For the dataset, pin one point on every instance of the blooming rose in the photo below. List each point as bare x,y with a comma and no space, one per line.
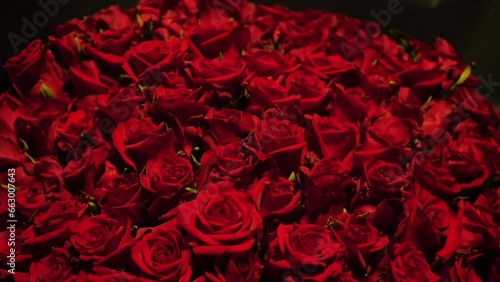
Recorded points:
54,267
305,251
281,139
220,220
408,264
275,196
161,254
138,139
100,239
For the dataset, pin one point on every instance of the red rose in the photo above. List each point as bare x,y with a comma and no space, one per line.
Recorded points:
54,267
408,264
230,125
182,103
120,194
275,196
245,267
161,254
161,55
475,106
380,180
281,139
326,185
88,80
235,162
330,138
166,176
138,139
54,223
438,118
265,94
359,229
480,231
100,273
267,63
220,220
100,239
314,93
306,252
226,71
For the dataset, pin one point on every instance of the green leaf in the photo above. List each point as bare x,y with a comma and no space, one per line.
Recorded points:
47,93
292,177
191,190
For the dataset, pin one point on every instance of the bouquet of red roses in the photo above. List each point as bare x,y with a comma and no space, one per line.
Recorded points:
222,140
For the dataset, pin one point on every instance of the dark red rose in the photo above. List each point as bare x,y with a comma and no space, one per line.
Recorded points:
218,33
307,28
139,139
161,55
54,267
475,106
54,223
350,105
313,92
408,264
265,94
230,125
395,130
267,63
281,139
120,194
326,185
450,176
220,221
330,138
161,253
380,180
235,162
463,271
182,103
276,196
166,177
167,174
69,47
328,67
88,80
479,230
115,41
438,117
306,252
239,268
100,273
100,239
226,71
113,17
359,229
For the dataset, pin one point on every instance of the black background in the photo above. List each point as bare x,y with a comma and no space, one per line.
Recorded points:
472,26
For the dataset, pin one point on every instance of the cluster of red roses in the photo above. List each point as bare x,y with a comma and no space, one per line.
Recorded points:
187,140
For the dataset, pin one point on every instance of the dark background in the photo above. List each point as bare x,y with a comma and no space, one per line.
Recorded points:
472,26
